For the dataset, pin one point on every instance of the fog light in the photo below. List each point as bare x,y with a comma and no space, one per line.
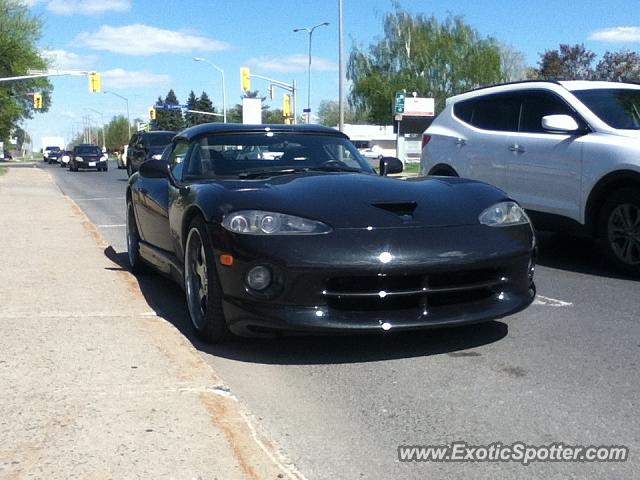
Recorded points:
259,278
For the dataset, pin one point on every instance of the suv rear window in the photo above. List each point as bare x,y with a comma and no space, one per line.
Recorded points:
495,112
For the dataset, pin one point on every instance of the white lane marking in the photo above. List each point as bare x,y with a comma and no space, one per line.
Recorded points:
551,302
119,225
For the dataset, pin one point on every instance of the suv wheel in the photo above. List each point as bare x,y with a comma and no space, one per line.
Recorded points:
619,228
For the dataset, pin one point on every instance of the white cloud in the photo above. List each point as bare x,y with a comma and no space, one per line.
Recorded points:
31,3
617,34
142,40
292,64
119,78
87,7
64,60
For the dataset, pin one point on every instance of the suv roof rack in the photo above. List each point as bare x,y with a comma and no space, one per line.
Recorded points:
557,82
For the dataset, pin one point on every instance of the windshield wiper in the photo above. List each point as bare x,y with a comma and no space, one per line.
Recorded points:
290,170
334,168
269,173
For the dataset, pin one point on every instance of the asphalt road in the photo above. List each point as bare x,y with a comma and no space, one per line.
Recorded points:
565,370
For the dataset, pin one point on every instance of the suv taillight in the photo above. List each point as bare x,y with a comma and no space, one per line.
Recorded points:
425,139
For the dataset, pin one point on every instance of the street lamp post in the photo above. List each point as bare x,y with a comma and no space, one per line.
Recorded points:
104,146
310,32
126,100
224,90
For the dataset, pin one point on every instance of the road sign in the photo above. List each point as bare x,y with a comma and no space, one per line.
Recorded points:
400,96
419,107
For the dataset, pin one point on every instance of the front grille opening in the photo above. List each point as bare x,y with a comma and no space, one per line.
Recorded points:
371,304
453,279
369,284
361,293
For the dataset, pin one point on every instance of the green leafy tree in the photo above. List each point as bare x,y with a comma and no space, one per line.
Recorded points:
117,133
329,114
421,54
569,62
19,34
275,116
168,119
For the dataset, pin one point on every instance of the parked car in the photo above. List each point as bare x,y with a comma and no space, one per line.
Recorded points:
88,156
121,157
315,241
566,151
50,154
145,146
65,158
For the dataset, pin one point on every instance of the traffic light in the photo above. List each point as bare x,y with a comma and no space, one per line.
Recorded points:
152,113
286,105
37,100
245,79
95,81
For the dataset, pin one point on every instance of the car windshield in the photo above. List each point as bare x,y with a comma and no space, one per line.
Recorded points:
53,149
160,139
618,108
88,150
252,154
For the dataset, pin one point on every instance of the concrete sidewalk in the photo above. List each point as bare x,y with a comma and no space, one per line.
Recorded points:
93,384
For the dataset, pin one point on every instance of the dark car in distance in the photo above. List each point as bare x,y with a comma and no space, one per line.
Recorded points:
276,228
51,154
145,146
86,156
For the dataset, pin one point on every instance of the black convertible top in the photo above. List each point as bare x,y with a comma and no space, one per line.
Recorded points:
213,128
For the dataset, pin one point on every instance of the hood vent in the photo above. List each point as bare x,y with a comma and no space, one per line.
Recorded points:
403,209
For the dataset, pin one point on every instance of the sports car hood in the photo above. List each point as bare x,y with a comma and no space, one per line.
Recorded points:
346,200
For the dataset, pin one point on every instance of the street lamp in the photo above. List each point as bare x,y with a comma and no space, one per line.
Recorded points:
310,32
126,100
104,147
224,92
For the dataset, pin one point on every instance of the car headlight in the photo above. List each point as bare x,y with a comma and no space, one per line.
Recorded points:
257,222
78,159
503,214
103,158
157,156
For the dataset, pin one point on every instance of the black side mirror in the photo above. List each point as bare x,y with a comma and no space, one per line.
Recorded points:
389,165
154,169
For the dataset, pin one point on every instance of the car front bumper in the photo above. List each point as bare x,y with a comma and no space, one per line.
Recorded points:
89,163
382,280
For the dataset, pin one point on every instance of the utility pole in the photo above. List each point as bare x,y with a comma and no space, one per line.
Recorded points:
341,65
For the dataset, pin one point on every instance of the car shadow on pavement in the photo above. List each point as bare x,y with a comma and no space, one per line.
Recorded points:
573,254
167,300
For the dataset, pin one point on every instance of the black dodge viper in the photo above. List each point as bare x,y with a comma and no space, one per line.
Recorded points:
284,228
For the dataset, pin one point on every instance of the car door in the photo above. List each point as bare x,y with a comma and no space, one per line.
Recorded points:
484,145
544,168
153,203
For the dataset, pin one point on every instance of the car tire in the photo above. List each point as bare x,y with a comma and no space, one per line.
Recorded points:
619,230
202,286
136,264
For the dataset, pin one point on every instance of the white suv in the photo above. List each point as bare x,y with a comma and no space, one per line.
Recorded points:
569,152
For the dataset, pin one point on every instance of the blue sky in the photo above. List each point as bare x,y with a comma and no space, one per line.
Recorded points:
145,47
